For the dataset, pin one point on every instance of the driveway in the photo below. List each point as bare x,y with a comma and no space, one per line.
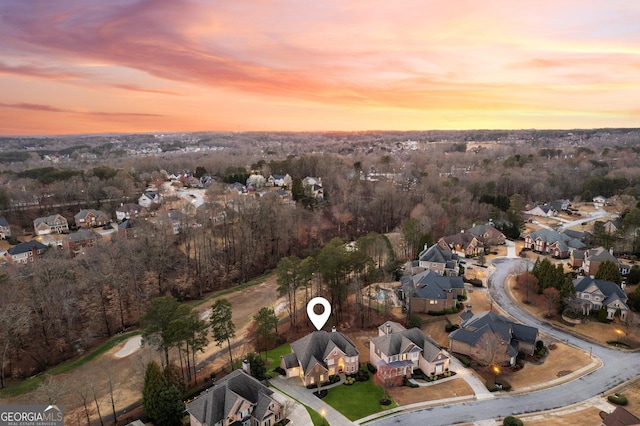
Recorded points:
617,367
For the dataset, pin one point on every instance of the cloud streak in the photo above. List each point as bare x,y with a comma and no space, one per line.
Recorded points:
427,57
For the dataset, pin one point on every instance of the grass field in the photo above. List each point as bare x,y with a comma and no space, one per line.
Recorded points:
358,400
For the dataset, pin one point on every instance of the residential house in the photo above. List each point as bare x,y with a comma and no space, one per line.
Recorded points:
462,244
404,350
26,252
237,399
477,329
130,210
236,188
544,210
88,218
439,260
77,241
150,198
560,205
319,355
599,201
313,187
430,291
593,258
487,234
279,180
550,242
5,229
620,417
55,223
128,229
576,258
593,295
613,226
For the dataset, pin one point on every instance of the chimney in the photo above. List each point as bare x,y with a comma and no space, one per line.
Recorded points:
467,308
388,326
333,329
246,366
611,251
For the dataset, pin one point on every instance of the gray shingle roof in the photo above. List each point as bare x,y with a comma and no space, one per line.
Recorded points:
436,254
608,288
430,285
472,329
314,347
216,403
403,341
3,222
26,247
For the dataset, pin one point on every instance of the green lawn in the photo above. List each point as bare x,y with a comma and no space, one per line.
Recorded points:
273,356
358,400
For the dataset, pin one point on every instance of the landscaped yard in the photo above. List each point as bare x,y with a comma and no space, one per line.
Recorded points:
358,400
273,356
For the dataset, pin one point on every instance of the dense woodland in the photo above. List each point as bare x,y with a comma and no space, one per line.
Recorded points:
423,185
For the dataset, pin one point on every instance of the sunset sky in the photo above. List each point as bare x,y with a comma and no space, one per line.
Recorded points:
92,66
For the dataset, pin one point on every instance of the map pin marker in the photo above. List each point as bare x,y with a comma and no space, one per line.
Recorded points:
319,320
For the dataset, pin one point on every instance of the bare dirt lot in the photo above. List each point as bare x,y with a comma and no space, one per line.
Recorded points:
128,371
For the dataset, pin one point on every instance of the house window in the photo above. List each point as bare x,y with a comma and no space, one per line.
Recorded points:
432,302
321,378
585,296
330,361
404,357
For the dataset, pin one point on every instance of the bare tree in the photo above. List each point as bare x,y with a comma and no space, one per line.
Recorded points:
529,283
552,299
491,349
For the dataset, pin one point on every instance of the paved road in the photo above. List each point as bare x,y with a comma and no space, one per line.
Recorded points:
617,368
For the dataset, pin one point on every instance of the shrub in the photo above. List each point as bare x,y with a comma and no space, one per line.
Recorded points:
407,383
334,378
465,360
437,313
280,371
371,368
512,421
413,321
362,376
618,399
450,327
602,315
476,282
349,381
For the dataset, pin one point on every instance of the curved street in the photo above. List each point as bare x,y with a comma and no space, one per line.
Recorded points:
617,368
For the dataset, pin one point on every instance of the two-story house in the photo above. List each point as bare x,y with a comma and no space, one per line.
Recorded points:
149,198
130,210
237,399
428,291
550,242
440,260
279,180
5,229
478,330
593,295
55,223
462,244
319,355
26,252
404,350
87,218
487,234
595,257
77,241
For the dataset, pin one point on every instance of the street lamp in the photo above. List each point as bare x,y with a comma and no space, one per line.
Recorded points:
323,413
